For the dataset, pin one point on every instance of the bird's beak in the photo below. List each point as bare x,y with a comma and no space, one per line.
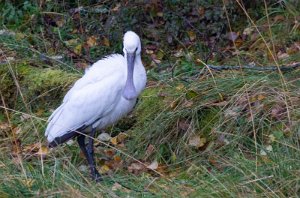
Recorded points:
129,92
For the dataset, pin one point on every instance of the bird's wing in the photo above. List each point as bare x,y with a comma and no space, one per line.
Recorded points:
85,105
101,69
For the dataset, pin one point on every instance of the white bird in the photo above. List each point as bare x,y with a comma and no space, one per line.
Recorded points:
107,92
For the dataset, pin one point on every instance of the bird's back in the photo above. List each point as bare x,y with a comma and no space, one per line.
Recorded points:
93,96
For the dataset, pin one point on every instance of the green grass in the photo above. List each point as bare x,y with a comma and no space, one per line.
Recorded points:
250,121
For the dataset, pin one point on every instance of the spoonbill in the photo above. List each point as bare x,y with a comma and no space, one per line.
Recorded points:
106,92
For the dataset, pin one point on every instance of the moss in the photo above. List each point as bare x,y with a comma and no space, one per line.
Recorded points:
149,105
36,84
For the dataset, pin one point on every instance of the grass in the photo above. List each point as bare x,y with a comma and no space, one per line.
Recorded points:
247,122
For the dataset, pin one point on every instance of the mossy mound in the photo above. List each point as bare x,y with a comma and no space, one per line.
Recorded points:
25,83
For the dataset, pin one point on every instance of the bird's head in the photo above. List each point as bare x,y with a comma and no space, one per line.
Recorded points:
132,43
132,48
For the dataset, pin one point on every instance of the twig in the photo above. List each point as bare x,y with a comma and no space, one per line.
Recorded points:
266,68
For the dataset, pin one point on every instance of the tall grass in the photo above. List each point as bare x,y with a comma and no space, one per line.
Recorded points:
249,120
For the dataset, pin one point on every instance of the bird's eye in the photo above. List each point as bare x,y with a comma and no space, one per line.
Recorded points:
135,49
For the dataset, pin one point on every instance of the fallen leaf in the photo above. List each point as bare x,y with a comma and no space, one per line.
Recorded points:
174,104
269,148
106,42
83,168
116,187
179,53
71,42
60,22
160,14
232,36
91,41
196,141
272,138
153,165
28,182
180,87
183,124
192,35
104,169
201,11
78,49
262,152
70,142
4,126
24,117
279,18
188,104
109,153
104,137
114,141
248,31
136,168
16,148
149,151
43,151
121,137
282,56
116,8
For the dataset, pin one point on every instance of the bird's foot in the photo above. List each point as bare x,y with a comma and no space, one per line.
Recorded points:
96,176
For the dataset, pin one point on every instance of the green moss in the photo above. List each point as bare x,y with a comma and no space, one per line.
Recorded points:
36,84
149,105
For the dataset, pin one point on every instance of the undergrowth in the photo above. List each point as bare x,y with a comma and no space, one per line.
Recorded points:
213,134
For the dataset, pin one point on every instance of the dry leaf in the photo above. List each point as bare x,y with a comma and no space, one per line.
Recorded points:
114,141
192,35
262,152
201,11
60,22
136,168
121,137
232,36
91,41
104,169
179,53
279,18
78,49
248,31
116,187
106,42
83,168
150,150
180,87
109,153
25,117
4,126
269,148
16,148
28,182
116,8
104,137
184,124
153,165
282,56
196,141
43,151
174,104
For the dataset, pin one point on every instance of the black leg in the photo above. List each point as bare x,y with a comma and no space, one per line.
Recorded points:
90,150
80,140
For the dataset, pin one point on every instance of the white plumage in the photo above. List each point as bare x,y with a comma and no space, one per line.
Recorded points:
98,94
107,92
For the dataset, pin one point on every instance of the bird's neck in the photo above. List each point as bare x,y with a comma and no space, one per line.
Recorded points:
138,61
